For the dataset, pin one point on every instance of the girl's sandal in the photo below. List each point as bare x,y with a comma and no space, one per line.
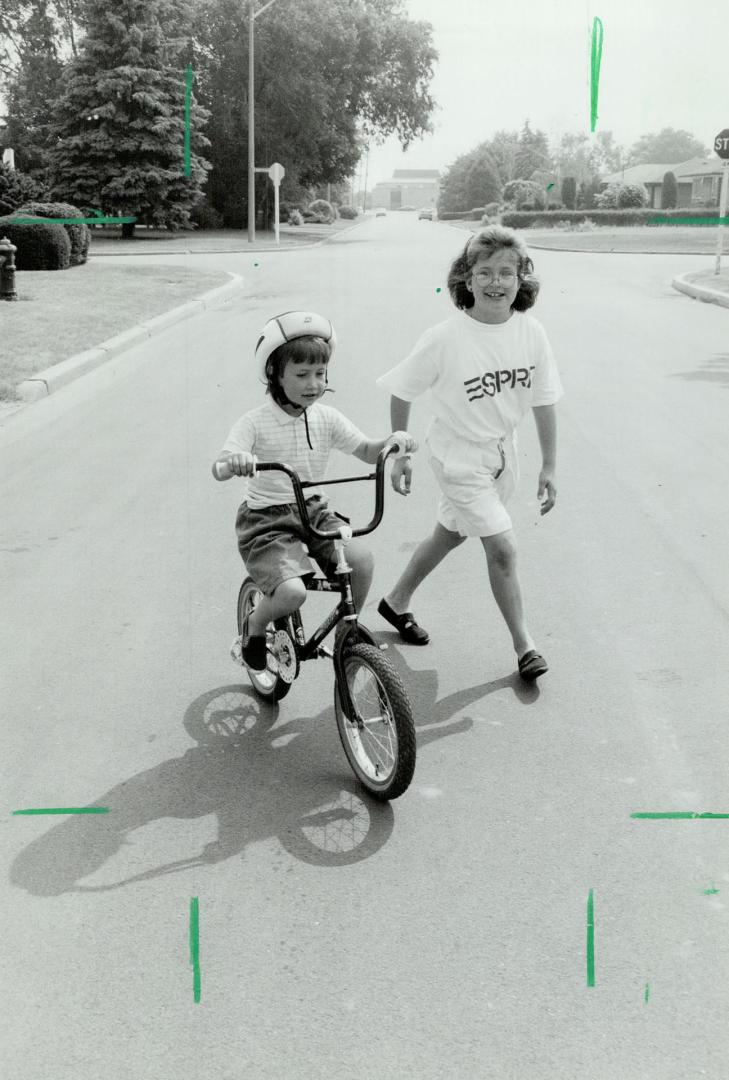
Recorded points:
405,624
532,665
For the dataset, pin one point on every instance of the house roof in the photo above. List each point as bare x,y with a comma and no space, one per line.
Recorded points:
640,174
699,167
653,174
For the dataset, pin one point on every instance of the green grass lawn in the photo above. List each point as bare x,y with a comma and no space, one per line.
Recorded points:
62,312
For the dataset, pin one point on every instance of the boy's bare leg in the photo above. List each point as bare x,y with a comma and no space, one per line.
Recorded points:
288,597
423,561
501,557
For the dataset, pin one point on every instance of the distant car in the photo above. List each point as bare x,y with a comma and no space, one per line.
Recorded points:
426,214
380,212
407,207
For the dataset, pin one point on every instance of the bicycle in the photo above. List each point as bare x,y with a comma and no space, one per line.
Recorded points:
373,714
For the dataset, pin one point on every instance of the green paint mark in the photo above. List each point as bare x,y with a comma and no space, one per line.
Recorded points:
74,220
195,947
595,61
711,891
550,186
438,289
678,815
590,940
647,993
188,103
690,221
255,264
65,810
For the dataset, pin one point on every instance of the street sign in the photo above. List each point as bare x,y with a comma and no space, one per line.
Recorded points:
721,143
277,171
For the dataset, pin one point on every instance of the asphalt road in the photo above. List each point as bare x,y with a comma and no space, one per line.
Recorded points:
444,935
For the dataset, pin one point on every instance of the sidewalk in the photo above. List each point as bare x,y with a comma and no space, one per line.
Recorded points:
705,285
108,241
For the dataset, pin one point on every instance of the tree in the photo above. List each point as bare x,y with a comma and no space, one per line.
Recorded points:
669,191
472,180
668,146
34,85
569,192
525,195
532,153
619,195
329,76
120,122
16,188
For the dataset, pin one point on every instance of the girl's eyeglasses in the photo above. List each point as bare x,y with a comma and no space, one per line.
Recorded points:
505,277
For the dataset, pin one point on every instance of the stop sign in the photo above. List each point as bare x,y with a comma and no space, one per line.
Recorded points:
721,143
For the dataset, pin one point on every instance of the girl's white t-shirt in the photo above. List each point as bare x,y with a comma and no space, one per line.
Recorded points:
483,377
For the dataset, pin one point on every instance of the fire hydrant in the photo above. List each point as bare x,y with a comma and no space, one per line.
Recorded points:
7,270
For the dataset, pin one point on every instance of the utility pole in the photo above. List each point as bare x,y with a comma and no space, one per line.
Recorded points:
252,16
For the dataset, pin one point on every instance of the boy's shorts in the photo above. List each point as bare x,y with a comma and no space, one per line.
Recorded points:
271,541
476,480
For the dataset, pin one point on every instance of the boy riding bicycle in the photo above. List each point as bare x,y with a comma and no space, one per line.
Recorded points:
292,354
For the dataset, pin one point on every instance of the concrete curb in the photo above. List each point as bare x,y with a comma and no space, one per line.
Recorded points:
699,292
53,378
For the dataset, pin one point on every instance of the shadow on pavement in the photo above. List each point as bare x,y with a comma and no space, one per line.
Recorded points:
715,370
259,779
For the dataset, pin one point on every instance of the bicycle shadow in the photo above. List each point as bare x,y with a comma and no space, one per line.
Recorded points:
258,777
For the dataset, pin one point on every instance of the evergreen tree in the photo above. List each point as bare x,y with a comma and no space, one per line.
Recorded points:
569,192
120,121
669,191
532,153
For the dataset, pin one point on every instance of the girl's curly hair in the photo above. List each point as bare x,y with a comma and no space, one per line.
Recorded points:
486,242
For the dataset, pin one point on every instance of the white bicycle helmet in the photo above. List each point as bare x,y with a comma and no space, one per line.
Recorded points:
286,327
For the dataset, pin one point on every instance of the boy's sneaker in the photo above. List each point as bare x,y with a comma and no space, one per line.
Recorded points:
254,653
250,652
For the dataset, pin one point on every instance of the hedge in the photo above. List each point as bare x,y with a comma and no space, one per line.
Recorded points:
528,219
41,246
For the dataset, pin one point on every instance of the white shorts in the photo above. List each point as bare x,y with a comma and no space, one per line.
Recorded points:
476,480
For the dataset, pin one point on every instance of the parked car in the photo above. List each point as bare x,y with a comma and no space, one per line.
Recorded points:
380,212
426,214
407,207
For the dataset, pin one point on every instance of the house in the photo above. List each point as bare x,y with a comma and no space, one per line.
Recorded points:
698,181
408,187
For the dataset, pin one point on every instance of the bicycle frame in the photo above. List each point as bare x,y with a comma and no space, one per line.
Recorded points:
345,609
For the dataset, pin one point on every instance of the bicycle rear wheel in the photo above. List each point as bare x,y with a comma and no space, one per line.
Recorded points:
379,738
275,682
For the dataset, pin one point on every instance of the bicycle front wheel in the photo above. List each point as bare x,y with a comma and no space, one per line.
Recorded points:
379,738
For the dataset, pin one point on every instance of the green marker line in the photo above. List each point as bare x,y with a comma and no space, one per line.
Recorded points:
73,221
65,810
188,102
690,221
195,947
678,815
647,992
590,940
595,61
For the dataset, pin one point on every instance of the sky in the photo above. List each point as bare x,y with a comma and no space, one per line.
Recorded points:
665,63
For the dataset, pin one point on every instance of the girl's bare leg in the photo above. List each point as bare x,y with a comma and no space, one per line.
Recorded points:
423,561
501,558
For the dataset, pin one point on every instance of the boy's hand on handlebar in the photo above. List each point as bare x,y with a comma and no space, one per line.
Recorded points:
243,464
407,444
401,475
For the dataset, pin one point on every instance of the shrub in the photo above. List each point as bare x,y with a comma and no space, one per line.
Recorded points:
16,188
525,194
622,195
323,212
205,216
78,235
41,246
295,217
669,191
348,212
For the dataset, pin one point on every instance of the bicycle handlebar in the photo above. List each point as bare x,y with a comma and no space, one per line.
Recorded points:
223,471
